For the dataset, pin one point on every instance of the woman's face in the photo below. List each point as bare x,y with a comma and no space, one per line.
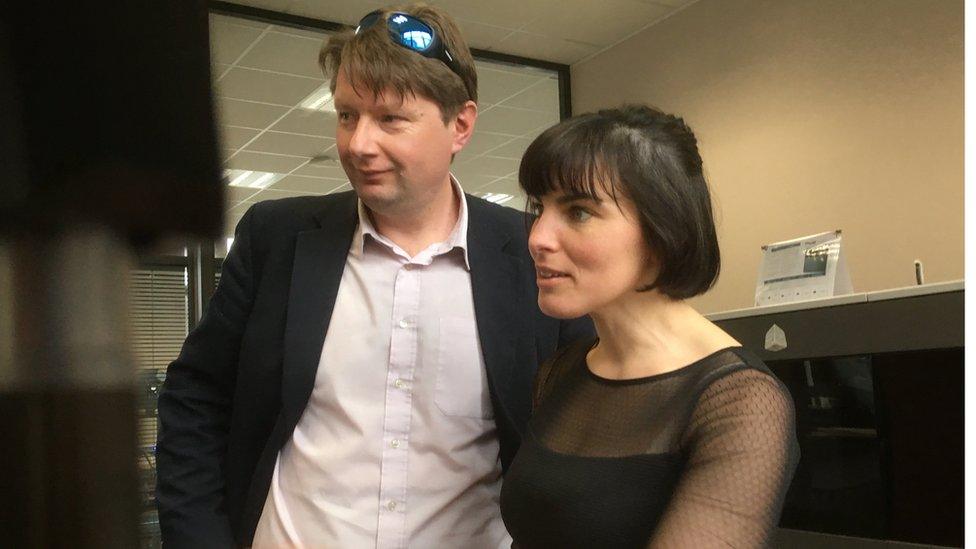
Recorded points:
589,253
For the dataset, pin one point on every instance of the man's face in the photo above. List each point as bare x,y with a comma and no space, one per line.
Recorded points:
396,153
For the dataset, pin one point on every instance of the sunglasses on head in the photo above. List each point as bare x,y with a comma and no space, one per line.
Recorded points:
413,34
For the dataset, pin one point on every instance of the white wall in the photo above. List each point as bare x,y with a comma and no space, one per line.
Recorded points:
811,116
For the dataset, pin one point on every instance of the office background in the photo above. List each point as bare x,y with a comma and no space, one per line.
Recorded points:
811,116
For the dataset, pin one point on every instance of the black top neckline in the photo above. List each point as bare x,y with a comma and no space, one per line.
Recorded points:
653,377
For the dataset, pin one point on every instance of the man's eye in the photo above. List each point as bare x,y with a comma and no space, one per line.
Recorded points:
391,118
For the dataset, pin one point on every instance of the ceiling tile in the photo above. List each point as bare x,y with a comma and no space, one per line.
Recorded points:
233,216
304,121
229,40
312,185
218,69
331,170
235,195
246,114
314,34
514,122
511,14
260,162
507,185
543,96
618,19
480,35
234,138
256,85
269,194
490,165
274,5
494,86
471,183
535,46
290,143
286,53
482,64
482,142
341,188
513,149
234,20
670,3
348,12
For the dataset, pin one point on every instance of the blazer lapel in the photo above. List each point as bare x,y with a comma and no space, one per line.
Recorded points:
495,275
320,257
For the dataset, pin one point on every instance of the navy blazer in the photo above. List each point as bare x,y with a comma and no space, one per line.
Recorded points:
244,376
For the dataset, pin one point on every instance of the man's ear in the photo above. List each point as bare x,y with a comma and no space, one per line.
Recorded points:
463,123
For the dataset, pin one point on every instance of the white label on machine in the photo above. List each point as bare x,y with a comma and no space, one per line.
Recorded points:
804,268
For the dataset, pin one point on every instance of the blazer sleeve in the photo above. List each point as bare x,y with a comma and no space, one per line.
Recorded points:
195,409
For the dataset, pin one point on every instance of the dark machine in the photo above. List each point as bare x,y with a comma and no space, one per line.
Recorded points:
107,144
878,390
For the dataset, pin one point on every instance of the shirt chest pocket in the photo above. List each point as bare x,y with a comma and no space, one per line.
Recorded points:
462,383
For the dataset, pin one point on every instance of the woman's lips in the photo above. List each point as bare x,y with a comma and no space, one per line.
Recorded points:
547,278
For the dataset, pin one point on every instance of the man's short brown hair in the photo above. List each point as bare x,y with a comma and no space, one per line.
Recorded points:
371,59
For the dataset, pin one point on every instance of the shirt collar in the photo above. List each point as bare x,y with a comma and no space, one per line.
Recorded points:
458,238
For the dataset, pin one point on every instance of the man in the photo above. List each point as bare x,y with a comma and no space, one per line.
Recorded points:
362,375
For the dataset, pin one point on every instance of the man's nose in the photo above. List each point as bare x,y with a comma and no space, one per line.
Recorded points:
362,142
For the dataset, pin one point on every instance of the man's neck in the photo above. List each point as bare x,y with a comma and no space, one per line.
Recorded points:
415,231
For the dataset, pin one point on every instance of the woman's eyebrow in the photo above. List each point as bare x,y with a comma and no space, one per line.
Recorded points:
577,196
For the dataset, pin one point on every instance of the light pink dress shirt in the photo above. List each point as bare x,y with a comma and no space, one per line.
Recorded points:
398,445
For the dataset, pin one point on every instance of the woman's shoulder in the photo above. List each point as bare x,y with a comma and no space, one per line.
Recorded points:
563,361
737,380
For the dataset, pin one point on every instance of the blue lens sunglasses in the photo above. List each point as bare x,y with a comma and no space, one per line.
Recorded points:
412,33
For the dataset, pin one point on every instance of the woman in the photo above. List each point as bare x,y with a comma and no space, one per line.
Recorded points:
663,431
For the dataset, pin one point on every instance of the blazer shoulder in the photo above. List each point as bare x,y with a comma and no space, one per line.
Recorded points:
299,213
507,220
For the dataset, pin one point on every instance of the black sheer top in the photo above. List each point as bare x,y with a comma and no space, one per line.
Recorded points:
698,457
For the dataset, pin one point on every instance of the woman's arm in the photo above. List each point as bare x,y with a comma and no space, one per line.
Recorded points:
742,452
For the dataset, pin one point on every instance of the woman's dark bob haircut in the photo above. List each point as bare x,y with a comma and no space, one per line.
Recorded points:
650,158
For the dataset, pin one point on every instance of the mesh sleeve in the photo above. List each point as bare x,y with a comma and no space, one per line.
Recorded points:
741,454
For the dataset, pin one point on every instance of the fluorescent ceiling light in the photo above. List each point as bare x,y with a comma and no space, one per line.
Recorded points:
497,198
251,179
319,100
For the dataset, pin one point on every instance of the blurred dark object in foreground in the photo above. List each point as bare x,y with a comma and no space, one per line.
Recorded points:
105,117
107,143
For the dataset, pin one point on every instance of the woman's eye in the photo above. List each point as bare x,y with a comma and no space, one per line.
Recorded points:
577,213
535,208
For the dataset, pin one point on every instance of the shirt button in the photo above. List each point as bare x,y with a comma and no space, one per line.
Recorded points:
391,506
395,443
403,323
399,384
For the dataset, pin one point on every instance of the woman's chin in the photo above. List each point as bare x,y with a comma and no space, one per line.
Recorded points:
560,309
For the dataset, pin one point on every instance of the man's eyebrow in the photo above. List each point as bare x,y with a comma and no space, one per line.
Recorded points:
566,198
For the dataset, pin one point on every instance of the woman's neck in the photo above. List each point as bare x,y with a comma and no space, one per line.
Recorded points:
649,333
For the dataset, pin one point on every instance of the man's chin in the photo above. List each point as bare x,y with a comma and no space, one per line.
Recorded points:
377,197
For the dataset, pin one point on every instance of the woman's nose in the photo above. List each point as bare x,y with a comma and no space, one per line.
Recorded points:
542,237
